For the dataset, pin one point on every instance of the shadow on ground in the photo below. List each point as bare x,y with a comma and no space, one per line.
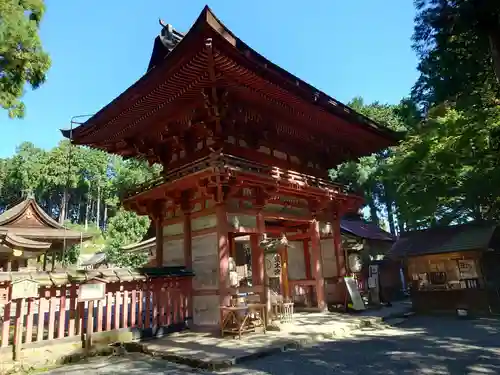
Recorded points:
421,345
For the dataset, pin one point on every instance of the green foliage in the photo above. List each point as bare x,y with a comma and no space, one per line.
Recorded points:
447,172
458,43
366,176
93,180
123,229
22,59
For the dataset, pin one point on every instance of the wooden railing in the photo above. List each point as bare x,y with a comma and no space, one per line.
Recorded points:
57,314
219,160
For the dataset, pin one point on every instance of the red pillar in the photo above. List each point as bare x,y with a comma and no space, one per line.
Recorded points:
339,251
187,286
307,259
188,258
257,252
159,240
257,260
317,271
223,251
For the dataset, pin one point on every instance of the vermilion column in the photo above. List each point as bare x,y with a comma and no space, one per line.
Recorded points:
188,258
159,240
284,273
257,252
317,271
337,243
223,252
257,260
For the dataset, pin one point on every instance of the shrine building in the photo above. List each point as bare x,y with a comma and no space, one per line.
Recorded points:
245,148
27,232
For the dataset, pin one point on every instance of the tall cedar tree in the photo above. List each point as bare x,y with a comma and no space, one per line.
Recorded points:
458,42
22,58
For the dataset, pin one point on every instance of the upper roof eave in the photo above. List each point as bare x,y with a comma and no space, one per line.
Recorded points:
13,213
208,21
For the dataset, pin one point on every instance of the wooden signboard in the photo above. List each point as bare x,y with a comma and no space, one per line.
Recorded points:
352,288
467,268
373,284
92,290
24,288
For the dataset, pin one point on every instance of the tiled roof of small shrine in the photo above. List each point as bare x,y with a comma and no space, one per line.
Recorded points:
24,224
439,240
48,279
362,229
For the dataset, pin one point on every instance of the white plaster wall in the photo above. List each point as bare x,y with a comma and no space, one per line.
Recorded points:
205,261
206,310
328,258
296,261
173,253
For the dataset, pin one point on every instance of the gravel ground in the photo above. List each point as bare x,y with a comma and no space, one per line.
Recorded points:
421,345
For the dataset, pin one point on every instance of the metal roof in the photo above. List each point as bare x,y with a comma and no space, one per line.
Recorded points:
439,240
362,229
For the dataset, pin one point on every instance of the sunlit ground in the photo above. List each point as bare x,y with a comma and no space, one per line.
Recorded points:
421,345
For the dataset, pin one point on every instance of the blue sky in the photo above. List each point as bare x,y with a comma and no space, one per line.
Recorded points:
100,47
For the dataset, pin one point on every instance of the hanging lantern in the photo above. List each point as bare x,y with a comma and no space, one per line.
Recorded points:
355,262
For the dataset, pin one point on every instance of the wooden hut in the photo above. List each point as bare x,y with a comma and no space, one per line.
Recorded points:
453,268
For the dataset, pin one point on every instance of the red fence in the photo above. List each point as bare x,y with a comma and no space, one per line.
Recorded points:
57,314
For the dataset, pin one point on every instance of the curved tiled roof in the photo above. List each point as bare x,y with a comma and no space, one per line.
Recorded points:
27,226
21,242
12,214
177,71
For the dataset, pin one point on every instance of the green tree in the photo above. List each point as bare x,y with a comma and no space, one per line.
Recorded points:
123,229
366,176
22,173
447,171
22,59
458,43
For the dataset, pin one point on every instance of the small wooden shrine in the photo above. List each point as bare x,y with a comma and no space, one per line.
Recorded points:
27,232
453,268
245,148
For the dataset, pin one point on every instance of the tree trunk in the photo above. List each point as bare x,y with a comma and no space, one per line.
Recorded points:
87,209
390,217
373,211
68,206
79,212
62,211
105,217
495,51
401,224
98,206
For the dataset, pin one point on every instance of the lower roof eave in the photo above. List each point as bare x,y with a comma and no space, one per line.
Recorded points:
19,242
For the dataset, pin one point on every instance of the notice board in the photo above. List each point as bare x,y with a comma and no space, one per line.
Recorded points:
352,289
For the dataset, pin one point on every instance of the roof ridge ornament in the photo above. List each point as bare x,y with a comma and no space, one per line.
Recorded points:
28,194
169,36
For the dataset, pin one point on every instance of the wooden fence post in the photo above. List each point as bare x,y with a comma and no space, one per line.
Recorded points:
18,330
90,326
